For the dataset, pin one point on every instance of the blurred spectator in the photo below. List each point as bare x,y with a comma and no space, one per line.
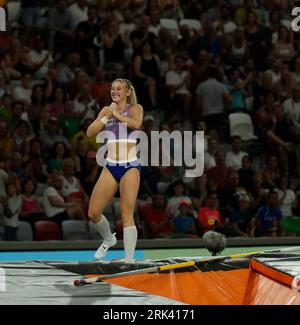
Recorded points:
286,196
209,216
67,121
57,104
6,141
23,92
178,83
210,153
84,104
85,33
235,155
271,173
229,195
90,142
242,218
90,173
184,222
100,88
198,189
210,97
178,189
34,165
142,33
269,217
68,71
3,181
296,73
283,87
71,183
40,58
12,210
156,217
218,175
291,108
246,173
146,73
112,49
59,23
38,102
57,155
225,24
17,167
283,47
56,209
79,12
50,136
30,209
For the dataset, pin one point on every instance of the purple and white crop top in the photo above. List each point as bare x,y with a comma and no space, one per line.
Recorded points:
119,132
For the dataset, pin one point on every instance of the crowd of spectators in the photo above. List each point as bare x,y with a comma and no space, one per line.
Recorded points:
57,62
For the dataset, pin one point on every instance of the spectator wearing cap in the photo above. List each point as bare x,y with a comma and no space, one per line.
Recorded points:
242,219
184,222
178,190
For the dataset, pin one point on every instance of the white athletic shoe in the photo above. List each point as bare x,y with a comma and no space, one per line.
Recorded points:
102,250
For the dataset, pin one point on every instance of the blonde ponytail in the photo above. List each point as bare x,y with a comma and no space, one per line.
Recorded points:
132,98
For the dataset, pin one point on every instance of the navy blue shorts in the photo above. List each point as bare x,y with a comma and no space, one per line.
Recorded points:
119,169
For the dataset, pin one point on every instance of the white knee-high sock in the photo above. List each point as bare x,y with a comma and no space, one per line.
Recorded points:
103,228
129,238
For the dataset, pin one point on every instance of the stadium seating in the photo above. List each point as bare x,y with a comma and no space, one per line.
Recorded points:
24,231
74,230
13,12
191,23
47,230
170,24
241,124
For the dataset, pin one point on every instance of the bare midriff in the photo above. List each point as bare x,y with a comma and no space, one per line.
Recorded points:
121,151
